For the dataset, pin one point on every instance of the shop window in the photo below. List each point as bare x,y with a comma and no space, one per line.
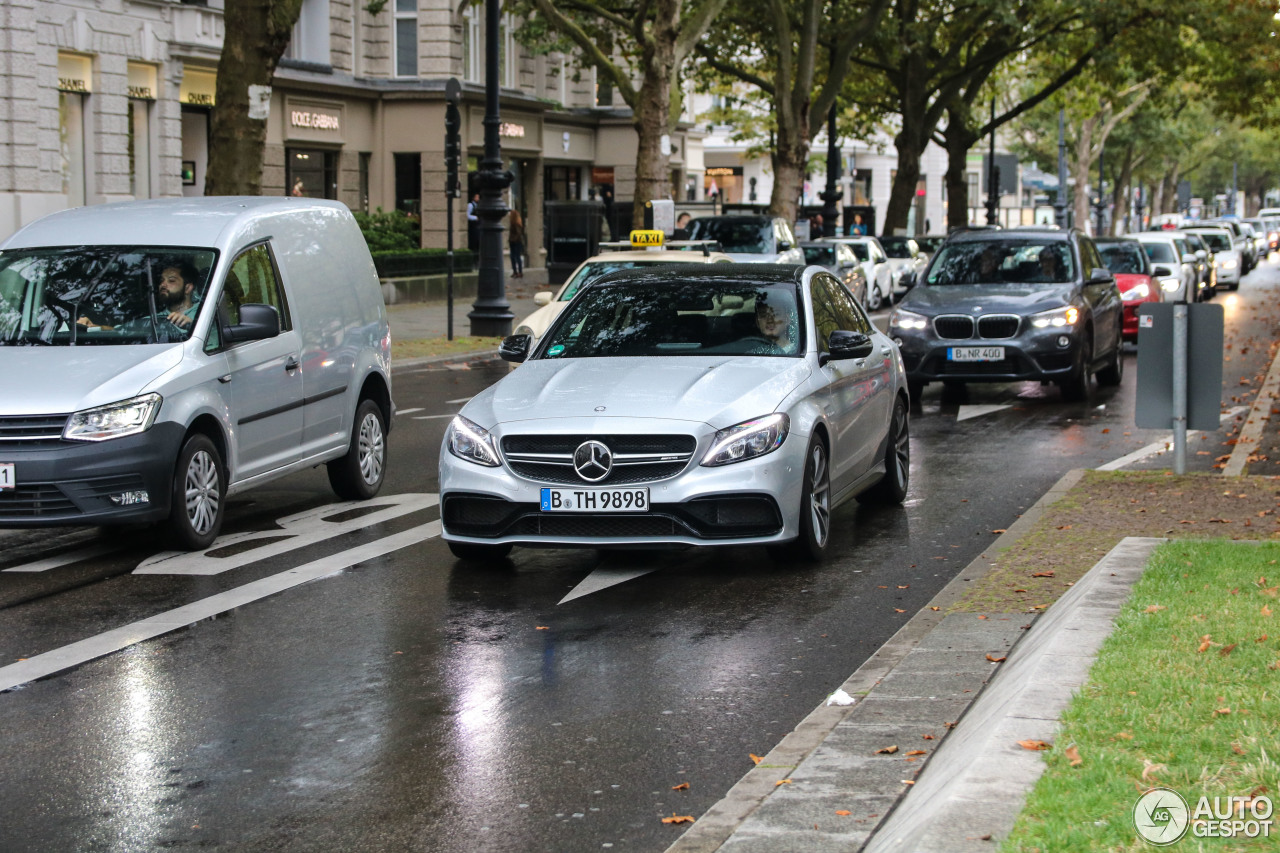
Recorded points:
363,202
71,112
139,148
311,173
560,183
406,38
408,168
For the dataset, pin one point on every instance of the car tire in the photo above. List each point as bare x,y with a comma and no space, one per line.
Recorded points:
815,507
472,552
1075,385
897,461
357,475
876,299
198,499
1113,373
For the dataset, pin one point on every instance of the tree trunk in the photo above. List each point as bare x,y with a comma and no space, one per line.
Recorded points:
1123,192
910,142
1169,187
652,123
1081,166
257,33
959,139
790,160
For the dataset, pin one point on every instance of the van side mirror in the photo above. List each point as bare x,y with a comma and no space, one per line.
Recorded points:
845,344
514,348
257,322
1162,272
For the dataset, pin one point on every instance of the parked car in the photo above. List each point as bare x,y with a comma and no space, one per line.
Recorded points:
881,281
1266,237
906,260
750,239
1010,305
551,303
930,243
1129,263
1206,269
1174,268
840,261
1226,255
1241,240
161,356
711,405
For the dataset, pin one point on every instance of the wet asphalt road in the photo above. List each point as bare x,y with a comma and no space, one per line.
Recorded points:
411,702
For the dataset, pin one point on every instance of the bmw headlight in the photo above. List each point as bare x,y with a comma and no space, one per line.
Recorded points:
907,320
748,440
472,442
127,417
1057,318
1138,291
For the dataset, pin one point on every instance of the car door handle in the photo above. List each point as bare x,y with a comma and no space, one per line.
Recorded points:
885,350
225,379
291,365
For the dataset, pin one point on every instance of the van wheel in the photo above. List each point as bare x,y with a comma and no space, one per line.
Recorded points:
199,490
475,553
358,474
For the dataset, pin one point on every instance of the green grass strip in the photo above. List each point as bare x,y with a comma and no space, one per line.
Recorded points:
1186,690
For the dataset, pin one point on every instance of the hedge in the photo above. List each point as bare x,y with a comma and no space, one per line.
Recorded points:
410,262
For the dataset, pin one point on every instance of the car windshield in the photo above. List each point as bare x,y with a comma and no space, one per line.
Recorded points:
860,250
1014,260
1218,242
748,235
679,318
101,295
1194,241
1124,258
896,247
819,255
1160,253
593,270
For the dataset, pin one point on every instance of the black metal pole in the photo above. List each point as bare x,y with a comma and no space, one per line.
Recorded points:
993,192
491,313
1060,203
453,157
832,194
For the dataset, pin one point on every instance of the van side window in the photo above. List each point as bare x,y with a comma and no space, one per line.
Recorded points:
252,279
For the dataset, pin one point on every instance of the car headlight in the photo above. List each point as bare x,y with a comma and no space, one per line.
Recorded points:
907,320
1138,291
1169,285
472,442
748,440
127,417
1058,317
1227,263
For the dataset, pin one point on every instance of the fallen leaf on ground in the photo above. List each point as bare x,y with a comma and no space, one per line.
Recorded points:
935,608
1034,744
757,759
1261,639
678,818
846,812
1155,608
927,737
1204,646
1266,611
916,752
683,786
1000,530
1064,527
1235,747
994,659
904,586
1042,574
1226,650
908,781
1124,735
982,617
1073,755
898,610
541,628
888,750
1222,712
782,782
1150,768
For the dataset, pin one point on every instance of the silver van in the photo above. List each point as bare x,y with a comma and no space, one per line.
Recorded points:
159,356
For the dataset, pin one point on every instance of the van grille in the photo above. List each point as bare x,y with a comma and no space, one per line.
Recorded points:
31,431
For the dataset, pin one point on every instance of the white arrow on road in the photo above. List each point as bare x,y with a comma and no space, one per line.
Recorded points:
604,577
967,412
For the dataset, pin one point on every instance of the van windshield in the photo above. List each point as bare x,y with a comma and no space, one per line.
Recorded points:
101,295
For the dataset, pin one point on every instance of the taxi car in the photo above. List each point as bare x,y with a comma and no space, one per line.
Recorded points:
675,406
622,256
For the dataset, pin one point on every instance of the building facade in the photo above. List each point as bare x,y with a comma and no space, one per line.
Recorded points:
109,100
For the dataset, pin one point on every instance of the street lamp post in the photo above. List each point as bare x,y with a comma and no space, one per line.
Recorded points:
993,191
491,313
832,194
1060,202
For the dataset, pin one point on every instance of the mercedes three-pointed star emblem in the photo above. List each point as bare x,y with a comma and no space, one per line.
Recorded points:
593,461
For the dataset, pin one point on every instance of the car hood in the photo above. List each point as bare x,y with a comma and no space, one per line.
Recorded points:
55,380
987,298
716,390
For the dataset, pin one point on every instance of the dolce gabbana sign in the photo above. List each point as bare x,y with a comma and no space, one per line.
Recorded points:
317,120
313,121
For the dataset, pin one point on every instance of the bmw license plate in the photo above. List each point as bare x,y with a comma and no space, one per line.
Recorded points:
7,479
975,354
595,500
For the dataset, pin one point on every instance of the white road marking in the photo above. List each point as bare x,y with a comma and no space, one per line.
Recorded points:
459,400
967,412
305,528
54,661
602,578
1160,446
65,559
432,417
408,411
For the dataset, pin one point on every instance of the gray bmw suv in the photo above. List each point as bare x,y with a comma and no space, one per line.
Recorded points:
1012,305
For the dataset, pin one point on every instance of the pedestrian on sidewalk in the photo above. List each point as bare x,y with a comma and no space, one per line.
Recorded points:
515,238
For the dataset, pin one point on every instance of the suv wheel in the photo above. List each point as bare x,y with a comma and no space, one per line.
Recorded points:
1114,371
1075,385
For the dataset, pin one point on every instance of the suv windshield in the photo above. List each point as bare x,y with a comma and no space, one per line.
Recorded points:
825,255
679,318
101,295
896,247
1125,258
1012,260
1218,241
750,235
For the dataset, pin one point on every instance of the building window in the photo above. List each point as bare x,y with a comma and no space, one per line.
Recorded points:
975,198
310,39
311,172
473,44
406,38
408,169
560,183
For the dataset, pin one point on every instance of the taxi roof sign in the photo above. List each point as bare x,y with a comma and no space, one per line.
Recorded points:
647,238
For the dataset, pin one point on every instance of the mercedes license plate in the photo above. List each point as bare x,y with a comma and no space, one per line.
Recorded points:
975,354
595,500
7,480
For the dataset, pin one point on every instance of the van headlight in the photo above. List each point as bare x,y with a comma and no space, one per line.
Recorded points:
1057,318
748,440
907,320
472,442
116,420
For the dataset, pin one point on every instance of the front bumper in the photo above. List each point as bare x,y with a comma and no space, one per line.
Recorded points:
1034,354
751,502
72,483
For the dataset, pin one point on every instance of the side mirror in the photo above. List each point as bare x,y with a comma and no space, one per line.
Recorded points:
784,246
1201,254
1188,258
542,297
514,348
1161,272
1101,275
845,344
257,322
908,278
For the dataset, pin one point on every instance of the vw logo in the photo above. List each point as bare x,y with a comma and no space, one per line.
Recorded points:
593,461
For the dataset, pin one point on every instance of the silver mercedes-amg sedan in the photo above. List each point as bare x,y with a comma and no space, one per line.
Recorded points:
692,405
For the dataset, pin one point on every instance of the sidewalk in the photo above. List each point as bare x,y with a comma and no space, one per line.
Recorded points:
415,320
